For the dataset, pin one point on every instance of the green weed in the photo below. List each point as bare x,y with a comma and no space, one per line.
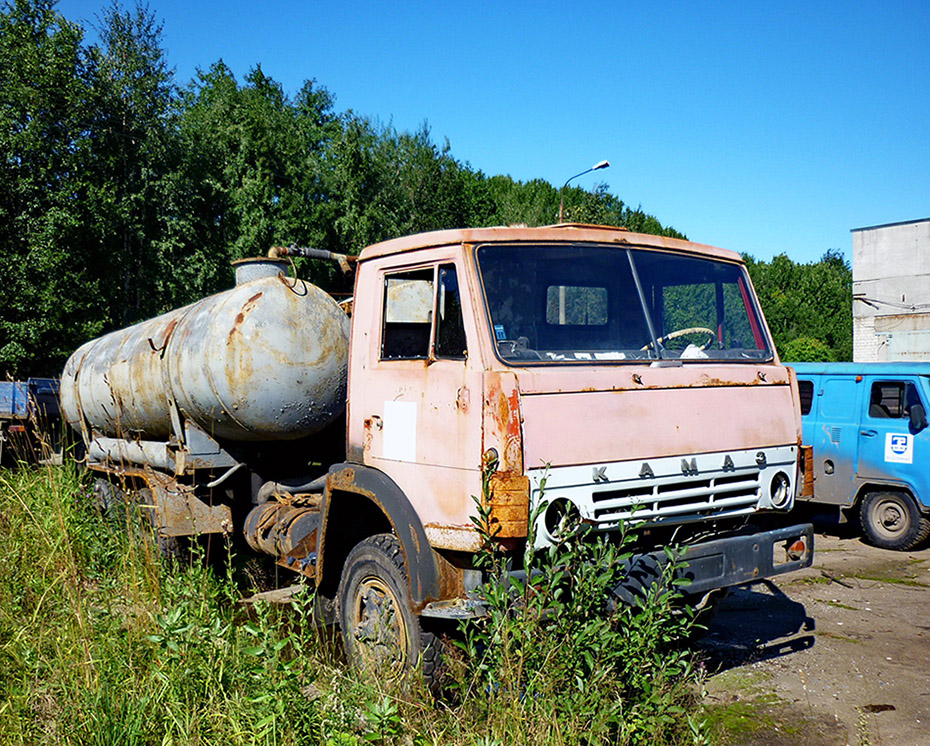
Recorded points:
102,642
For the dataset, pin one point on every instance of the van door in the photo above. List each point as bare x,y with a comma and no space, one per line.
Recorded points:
890,449
834,436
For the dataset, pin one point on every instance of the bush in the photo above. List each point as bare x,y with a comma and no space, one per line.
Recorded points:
101,642
807,350
558,659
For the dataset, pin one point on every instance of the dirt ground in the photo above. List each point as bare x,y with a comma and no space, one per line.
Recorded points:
836,654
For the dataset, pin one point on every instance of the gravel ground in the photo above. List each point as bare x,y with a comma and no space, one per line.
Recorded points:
835,654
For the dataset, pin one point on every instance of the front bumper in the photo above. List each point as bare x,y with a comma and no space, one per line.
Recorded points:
708,566
721,563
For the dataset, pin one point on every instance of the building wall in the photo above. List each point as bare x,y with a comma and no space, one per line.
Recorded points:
891,292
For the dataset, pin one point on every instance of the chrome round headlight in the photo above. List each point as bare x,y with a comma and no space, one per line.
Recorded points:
560,518
780,490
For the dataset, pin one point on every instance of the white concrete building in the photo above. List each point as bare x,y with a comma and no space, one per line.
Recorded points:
891,292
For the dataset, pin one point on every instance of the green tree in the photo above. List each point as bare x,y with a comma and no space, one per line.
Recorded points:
812,301
134,155
807,350
51,293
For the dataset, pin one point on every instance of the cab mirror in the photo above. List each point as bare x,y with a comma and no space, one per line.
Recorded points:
918,417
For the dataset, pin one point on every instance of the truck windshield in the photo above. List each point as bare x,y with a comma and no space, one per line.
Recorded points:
580,303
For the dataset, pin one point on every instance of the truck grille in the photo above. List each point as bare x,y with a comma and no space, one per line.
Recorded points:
679,500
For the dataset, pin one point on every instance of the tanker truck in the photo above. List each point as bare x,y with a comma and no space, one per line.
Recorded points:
568,369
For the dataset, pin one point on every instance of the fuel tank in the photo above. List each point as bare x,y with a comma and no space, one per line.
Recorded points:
265,360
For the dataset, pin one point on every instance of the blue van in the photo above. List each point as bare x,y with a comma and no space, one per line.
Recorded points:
867,423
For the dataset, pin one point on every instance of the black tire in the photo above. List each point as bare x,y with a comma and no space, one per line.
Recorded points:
379,630
892,520
107,499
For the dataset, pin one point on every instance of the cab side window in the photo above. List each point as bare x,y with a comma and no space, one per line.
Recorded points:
408,315
413,302
450,327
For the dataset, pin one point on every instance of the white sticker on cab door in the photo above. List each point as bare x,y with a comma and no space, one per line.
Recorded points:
899,448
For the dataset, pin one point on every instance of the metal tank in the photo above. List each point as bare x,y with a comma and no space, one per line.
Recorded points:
265,360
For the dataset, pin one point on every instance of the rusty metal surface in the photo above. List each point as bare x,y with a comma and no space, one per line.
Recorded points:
606,426
453,537
177,510
807,459
509,501
503,420
266,360
394,505
141,452
552,233
283,530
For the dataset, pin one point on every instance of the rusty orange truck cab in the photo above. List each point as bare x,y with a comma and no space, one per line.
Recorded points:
634,373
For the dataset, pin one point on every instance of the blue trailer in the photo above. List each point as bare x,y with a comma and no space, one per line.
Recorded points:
27,410
867,423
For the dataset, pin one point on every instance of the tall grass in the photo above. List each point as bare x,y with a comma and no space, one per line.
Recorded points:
101,642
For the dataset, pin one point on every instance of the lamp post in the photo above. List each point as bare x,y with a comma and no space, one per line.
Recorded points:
595,167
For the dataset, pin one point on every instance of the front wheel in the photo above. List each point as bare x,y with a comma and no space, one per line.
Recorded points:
892,520
379,630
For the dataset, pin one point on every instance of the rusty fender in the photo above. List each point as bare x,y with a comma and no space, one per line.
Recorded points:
430,578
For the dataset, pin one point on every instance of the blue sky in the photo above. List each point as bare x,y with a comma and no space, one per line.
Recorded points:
765,128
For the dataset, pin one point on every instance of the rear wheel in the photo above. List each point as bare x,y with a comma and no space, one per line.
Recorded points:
379,630
892,520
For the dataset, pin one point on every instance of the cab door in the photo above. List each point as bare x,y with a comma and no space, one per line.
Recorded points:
891,447
420,400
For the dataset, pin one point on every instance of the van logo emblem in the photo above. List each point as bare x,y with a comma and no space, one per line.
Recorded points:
899,444
689,468
599,474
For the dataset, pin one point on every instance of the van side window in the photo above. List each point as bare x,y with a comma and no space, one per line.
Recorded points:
806,390
892,399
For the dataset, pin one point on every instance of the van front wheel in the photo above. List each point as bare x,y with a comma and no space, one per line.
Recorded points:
892,520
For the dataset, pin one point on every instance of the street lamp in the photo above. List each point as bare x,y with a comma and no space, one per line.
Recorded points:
595,167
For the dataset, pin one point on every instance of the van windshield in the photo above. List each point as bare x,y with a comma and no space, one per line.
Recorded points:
580,303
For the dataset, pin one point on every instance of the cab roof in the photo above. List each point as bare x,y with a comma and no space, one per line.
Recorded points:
561,233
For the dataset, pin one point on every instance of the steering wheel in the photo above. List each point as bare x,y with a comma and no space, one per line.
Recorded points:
681,333
517,349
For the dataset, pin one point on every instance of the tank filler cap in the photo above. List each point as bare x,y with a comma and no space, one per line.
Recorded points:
258,268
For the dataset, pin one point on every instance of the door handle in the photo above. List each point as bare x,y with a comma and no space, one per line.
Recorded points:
869,433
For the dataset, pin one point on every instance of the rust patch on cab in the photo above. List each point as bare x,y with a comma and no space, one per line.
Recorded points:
509,503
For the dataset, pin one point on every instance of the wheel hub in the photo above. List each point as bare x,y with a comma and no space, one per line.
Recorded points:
379,630
891,519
